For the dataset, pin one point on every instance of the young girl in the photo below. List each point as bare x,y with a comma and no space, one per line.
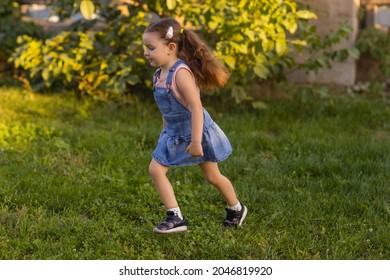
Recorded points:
189,136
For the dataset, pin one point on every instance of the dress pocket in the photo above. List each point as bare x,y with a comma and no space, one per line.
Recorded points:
177,146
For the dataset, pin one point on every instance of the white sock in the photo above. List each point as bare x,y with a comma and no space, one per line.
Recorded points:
177,212
236,207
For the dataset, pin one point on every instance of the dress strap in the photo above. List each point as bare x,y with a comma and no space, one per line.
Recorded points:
155,76
171,71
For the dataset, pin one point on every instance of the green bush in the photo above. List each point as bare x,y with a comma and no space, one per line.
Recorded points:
376,44
59,60
102,64
11,26
257,40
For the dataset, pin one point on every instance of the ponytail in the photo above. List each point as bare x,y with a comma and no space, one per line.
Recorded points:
209,72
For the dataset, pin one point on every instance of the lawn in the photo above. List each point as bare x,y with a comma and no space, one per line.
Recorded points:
314,172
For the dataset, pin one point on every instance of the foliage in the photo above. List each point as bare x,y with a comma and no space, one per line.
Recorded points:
57,59
314,173
321,50
102,63
11,26
376,44
257,40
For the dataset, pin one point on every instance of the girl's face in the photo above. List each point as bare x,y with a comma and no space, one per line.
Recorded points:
155,50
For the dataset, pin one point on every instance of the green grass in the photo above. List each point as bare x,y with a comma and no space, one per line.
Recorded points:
313,172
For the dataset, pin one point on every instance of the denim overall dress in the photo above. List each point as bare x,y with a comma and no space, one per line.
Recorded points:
176,136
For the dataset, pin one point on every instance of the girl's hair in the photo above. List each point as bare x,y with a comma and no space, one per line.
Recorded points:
209,72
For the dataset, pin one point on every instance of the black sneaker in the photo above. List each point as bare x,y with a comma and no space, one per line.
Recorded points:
172,223
235,218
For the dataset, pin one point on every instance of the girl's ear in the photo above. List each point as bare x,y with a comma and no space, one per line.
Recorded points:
172,46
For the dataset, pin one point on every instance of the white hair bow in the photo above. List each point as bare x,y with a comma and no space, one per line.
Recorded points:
169,34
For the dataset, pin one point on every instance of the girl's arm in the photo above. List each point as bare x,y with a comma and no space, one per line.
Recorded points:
187,86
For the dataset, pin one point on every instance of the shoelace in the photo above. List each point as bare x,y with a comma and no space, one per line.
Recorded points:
168,223
233,222
231,218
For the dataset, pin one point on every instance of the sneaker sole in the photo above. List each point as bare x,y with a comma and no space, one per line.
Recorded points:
173,230
243,215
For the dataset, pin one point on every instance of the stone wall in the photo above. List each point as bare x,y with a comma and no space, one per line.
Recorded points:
330,13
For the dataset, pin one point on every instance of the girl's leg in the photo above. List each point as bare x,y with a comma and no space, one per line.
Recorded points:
236,212
174,222
212,174
164,188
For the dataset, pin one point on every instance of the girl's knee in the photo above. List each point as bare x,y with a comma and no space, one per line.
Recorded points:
152,170
212,178
156,170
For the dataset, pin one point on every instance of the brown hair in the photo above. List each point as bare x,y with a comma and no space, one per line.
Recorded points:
209,72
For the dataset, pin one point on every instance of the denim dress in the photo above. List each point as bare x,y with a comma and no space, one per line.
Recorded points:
176,136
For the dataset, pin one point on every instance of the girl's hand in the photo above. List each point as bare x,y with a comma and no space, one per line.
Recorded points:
195,150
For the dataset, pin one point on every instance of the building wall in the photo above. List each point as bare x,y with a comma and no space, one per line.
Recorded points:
330,13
